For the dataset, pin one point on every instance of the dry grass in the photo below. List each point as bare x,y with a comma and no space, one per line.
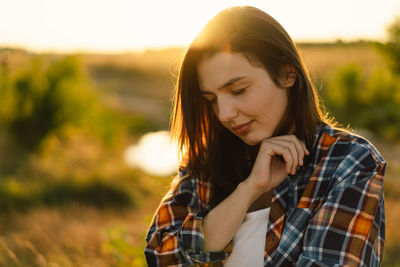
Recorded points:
322,61
76,235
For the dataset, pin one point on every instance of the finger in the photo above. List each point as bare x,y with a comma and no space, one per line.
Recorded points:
299,148
296,140
305,149
296,150
277,149
303,146
291,147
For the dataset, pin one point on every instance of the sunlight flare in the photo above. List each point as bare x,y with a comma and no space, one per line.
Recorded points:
154,154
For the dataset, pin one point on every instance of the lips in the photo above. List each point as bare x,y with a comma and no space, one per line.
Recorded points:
243,128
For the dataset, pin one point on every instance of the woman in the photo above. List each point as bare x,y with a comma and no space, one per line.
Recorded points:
266,179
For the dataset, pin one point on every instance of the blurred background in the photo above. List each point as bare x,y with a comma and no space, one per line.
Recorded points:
85,100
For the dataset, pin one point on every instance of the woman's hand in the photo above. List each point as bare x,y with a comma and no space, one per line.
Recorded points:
268,170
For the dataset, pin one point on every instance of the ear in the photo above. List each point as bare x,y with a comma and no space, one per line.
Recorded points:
287,76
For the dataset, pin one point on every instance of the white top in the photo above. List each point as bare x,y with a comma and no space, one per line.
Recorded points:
249,241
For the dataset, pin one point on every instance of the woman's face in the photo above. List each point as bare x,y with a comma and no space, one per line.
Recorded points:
242,95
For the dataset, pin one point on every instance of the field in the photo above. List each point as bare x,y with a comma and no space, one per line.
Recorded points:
80,232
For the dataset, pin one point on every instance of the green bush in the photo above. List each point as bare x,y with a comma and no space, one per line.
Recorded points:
370,102
366,102
94,192
391,49
22,196
343,90
43,97
50,95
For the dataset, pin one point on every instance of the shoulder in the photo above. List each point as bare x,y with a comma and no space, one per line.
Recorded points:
188,189
350,151
350,144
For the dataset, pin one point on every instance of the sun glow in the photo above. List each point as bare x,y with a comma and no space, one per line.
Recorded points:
154,154
120,25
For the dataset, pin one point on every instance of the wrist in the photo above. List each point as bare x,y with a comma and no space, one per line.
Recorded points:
252,190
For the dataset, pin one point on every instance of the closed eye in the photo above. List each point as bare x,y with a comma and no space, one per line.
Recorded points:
214,100
239,92
211,101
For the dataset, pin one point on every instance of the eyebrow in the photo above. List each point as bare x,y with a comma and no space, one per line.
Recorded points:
228,83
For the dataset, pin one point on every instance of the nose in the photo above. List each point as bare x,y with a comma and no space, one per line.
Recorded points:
226,110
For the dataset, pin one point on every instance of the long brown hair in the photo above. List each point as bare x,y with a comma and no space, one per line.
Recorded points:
209,150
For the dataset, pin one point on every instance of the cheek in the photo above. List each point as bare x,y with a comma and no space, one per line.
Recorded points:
270,105
260,102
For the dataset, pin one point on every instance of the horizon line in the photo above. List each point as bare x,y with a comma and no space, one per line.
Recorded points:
160,48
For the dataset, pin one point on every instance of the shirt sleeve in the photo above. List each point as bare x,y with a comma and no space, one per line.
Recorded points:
175,236
349,227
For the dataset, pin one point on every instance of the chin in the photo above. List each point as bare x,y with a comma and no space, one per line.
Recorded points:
251,141
254,140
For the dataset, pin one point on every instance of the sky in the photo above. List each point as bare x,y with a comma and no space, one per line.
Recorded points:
128,25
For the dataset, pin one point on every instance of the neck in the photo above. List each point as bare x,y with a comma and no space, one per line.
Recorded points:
293,129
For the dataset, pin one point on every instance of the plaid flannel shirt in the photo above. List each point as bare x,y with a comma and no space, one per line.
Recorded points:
330,213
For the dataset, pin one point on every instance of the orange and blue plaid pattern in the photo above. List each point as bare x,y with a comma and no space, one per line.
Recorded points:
331,212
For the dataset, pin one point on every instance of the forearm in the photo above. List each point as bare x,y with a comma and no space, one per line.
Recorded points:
222,222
